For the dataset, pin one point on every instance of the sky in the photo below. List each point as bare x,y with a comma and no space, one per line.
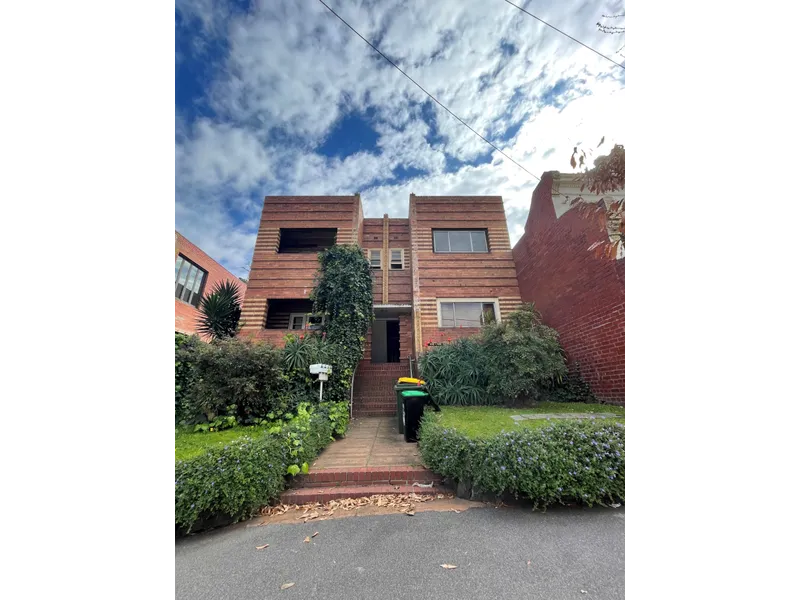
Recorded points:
279,97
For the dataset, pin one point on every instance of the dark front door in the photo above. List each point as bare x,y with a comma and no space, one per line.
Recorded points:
392,341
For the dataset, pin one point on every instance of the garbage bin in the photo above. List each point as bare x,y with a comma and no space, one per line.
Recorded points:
414,402
404,384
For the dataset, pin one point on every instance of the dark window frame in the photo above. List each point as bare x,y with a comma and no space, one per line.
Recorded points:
182,277
485,233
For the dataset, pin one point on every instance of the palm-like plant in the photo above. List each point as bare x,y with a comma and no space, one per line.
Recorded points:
220,311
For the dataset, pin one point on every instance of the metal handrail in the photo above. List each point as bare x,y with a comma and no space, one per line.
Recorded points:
352,385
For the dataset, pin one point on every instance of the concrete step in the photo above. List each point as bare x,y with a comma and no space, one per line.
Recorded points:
326,494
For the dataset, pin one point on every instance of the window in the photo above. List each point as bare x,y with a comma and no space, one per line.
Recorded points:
306,240
469,313
459,241
397,259
189,280
375,259
304,321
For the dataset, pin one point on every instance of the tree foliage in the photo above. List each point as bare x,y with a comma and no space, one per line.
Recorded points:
607,175
220,311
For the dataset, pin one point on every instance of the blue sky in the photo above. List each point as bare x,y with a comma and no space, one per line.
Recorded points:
279,97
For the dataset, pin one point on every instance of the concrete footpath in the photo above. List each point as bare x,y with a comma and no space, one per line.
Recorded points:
573,553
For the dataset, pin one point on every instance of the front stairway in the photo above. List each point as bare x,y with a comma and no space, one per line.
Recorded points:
373,389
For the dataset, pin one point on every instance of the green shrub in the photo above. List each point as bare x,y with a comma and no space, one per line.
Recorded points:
523,356
240,373
236,479
339,415
567,460
185,357
457,373
571,389
515,359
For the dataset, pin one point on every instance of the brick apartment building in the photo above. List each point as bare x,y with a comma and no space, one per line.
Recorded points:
436,276
195,273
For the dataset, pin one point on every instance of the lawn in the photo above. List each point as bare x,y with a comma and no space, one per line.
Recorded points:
485,421
189,444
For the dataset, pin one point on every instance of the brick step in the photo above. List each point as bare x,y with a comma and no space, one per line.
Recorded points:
375,412
355,476
375,398
375,404
326,494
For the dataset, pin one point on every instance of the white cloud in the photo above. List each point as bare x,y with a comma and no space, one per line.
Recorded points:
295,67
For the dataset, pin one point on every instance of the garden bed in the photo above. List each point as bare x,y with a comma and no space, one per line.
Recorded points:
485,454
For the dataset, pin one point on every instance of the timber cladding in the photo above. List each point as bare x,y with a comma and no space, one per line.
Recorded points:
489,275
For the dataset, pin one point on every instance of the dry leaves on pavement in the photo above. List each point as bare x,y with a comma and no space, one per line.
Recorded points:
262,547
314,510
286,586
445,566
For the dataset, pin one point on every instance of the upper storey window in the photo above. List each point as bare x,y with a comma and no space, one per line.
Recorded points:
460,240
306,240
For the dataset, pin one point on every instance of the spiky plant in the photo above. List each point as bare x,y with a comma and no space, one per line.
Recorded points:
220,311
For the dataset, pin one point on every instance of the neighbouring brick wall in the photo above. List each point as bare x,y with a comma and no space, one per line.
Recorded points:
185,314
581,296
437,275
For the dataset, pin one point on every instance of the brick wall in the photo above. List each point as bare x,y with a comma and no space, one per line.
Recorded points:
437,275
581,296
276,275
185,314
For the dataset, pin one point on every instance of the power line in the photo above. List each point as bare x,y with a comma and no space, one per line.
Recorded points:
566,34
431,96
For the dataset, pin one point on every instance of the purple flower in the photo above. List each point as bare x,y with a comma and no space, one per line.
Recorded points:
192,506
519,459
502,468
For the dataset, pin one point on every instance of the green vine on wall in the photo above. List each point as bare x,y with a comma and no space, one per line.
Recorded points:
343,294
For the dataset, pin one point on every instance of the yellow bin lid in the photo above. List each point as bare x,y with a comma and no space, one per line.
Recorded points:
410,380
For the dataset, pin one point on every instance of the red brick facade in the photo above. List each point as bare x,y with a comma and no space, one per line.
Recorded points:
581,296
186,314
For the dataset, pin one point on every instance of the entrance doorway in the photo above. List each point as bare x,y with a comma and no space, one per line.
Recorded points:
385,341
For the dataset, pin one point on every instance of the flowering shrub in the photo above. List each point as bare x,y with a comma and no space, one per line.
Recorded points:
566,460
249,472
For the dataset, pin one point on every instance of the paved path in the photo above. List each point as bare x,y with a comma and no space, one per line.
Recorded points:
398,557
370,442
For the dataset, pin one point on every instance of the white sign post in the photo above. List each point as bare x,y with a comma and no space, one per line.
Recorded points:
322,372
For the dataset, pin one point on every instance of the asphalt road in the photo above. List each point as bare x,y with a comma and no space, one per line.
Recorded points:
396,556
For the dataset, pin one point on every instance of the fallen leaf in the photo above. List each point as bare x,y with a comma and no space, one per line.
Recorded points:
316,533
307,540
455,510
616,505
262,547
448,566
410,513
286,586
529,563
584,592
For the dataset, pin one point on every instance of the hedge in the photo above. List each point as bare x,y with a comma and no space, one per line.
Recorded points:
566,461
236,480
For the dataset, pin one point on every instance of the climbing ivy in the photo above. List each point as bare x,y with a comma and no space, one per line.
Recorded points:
343,295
